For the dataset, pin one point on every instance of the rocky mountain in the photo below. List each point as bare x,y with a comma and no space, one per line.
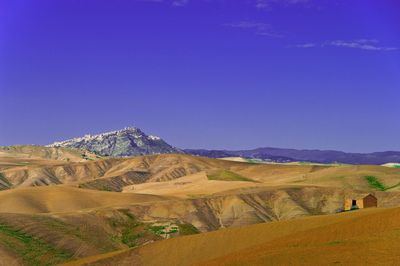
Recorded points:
129,141
316,156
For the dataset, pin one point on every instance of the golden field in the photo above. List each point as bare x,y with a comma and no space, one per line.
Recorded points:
63,205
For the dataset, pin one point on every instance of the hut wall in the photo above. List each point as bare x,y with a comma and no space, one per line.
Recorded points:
360,203
370,201
347,204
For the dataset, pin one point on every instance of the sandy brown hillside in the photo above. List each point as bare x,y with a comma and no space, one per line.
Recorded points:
21,171
65,210
53,224
191,186
232,208
20,152
113,174
246,206
49,239
320,240
58,199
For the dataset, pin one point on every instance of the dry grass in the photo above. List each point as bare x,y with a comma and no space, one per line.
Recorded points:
64,199
114,174
359,238
225,175
189,186
21,152
190,191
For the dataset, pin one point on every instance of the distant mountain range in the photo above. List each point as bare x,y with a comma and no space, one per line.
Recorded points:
292,155
130,141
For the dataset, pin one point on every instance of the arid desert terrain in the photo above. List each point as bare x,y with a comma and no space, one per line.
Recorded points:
60,205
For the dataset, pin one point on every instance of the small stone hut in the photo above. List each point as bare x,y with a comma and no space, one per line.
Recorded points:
360,202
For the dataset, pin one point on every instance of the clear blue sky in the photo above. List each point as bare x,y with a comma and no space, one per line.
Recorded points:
203,73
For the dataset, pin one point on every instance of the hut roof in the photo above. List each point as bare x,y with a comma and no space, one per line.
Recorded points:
358,195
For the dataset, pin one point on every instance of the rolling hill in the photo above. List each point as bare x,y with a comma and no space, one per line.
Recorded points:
54,209
61,199
24,154
113,174
319,240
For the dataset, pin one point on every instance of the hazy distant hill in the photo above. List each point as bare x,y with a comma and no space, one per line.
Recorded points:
129,141
318,156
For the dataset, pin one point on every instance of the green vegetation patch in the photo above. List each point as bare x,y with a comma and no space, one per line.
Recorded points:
225,175
157,229
130,231
130,237
378,185
60,226
396,166
164,230
187,229
375,183
23,163
105,188
32,250
133,233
